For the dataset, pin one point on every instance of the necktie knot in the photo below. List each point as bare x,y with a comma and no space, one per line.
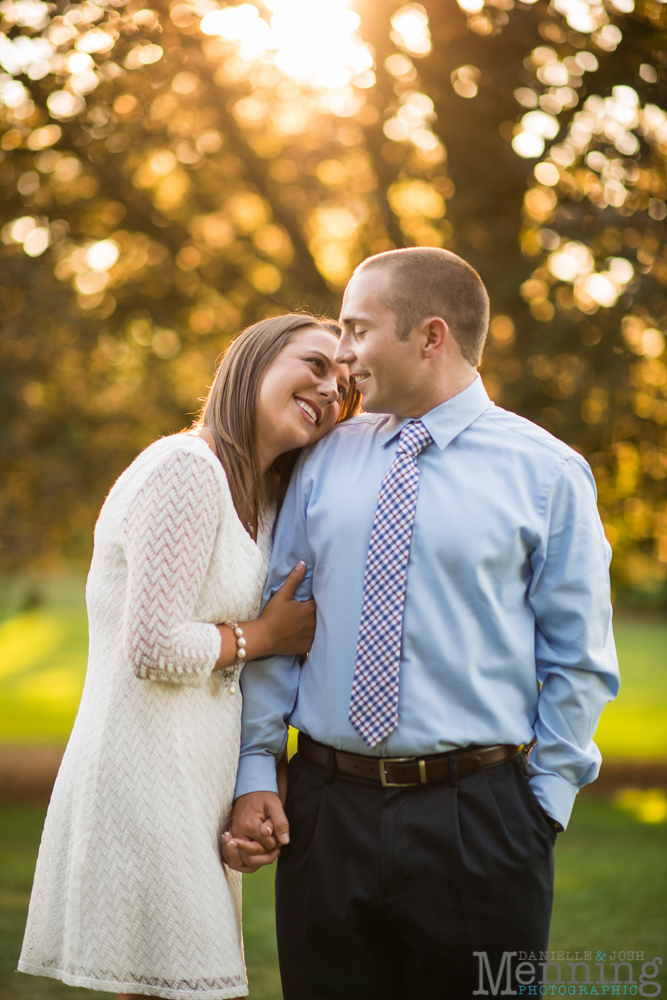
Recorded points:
414,438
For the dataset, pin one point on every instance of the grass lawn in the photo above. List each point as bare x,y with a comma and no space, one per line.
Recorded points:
635,725
43,654
611,893
611,884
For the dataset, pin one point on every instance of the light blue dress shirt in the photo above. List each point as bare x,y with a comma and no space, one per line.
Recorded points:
507,626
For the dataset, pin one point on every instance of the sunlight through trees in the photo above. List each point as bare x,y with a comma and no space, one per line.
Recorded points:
172,173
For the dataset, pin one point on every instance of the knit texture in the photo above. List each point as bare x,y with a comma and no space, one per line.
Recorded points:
130,894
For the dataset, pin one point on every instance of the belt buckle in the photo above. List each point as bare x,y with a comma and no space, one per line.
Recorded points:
382,761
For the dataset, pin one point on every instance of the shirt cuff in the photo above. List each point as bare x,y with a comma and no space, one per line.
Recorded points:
257,773
555,795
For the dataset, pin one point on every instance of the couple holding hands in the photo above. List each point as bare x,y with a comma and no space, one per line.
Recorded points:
442,563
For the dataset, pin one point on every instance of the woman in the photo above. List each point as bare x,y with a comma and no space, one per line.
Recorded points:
130,895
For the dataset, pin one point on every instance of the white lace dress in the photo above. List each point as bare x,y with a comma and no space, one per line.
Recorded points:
130,894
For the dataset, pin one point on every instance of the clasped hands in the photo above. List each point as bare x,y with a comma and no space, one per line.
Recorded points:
259,828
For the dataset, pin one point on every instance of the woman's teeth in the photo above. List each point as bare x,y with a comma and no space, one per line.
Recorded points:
308,409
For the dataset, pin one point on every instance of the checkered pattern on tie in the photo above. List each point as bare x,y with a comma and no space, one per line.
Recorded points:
374,700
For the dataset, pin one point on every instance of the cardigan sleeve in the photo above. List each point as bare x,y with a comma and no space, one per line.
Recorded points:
168,537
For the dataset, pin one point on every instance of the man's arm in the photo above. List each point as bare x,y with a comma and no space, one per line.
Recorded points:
574,643
269,695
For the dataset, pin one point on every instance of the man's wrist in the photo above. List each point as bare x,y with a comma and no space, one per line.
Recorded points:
554,793
256,772
258,791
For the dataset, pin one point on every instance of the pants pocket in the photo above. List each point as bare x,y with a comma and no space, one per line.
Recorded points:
533,803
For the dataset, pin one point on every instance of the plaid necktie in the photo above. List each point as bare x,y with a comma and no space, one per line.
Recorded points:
374,700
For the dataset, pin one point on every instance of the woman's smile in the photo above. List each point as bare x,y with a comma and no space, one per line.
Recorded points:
306,378
312,413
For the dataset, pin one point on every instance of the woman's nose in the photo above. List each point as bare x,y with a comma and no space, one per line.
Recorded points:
328,387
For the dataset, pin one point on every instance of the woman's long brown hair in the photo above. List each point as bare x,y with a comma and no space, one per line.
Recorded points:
229,411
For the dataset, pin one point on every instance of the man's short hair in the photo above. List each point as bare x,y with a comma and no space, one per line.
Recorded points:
427,282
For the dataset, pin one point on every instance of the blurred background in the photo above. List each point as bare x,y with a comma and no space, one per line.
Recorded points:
169,174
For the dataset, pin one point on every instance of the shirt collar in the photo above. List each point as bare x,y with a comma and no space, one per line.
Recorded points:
446,421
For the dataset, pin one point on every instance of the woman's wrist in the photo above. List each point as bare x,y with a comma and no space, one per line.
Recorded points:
258,643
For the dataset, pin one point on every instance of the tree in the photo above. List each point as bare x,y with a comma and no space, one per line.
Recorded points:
172,174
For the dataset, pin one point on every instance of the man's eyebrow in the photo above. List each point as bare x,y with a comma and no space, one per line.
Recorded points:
351,320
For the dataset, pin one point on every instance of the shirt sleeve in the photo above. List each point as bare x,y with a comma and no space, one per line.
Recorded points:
270,685
574,644
168,537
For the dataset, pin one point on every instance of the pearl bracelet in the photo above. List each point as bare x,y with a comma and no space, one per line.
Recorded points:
231,673
240,641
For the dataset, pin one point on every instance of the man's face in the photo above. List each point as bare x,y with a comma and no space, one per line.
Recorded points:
384,367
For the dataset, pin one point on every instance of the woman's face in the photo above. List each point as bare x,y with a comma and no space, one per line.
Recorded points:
301,394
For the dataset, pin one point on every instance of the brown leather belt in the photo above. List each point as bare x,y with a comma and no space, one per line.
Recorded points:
403,772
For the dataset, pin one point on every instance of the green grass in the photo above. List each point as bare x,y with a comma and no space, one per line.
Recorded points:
635,725
43,653
43,665
611,891
611,884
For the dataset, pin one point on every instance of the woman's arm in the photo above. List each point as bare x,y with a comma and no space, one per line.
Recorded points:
168,537
286,626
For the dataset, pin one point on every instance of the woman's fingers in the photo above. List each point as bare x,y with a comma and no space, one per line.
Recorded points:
250,848
288,589
290,622
232,856
245,855
259,861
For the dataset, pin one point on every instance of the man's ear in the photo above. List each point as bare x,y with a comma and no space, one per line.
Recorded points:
435,333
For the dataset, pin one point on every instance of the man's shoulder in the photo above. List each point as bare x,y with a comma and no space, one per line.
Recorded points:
360,424
530,436
349,432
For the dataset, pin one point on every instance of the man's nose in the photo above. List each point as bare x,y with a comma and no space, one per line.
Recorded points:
344,353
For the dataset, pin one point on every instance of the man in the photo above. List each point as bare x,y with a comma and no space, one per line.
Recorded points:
460,572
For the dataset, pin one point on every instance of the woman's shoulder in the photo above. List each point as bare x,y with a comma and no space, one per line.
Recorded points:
167,451
181,456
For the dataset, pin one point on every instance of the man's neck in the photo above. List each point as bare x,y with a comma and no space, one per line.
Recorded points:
447,388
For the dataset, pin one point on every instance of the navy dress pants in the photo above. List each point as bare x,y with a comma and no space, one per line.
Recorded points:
385,894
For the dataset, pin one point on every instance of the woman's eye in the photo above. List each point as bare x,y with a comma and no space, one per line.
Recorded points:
319,364
343,392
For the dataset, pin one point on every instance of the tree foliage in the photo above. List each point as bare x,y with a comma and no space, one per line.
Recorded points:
171,174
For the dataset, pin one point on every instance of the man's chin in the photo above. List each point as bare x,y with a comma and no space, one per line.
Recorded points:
371,404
